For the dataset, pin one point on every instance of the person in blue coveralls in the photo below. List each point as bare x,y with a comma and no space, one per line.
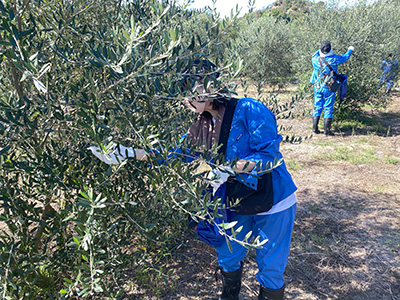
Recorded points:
253,142
389,69
324,99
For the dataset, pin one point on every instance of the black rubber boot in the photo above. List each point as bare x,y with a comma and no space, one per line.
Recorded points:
269,294
327,126
315,121
231,284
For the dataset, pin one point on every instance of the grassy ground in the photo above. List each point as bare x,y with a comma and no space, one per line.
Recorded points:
346,238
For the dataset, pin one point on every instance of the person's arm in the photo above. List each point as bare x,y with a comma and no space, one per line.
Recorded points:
141,155
264,138
345,57
118,153
244,166
263,142
316,67
315,61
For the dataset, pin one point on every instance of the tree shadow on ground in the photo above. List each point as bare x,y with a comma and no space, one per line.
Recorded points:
377,121
345,246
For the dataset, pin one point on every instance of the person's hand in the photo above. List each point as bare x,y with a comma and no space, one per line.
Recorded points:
107,157
218,176
115,155
351,48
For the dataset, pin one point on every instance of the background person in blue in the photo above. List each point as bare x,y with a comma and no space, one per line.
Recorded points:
253,141
389,69
324,99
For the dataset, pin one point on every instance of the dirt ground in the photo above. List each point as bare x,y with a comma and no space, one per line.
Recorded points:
346,239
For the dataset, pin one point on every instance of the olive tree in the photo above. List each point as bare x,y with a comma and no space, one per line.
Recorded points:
265,45
81,73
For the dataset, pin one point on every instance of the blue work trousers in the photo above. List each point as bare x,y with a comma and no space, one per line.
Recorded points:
323,98
389,81
273,256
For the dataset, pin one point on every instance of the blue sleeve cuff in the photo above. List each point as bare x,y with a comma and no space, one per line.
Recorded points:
249,180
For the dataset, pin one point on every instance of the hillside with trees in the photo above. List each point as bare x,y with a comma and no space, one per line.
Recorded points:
290,9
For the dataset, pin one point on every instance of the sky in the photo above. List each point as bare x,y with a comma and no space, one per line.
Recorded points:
224,6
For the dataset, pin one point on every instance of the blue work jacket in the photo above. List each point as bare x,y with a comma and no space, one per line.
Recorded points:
317,78
254,136
389,68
